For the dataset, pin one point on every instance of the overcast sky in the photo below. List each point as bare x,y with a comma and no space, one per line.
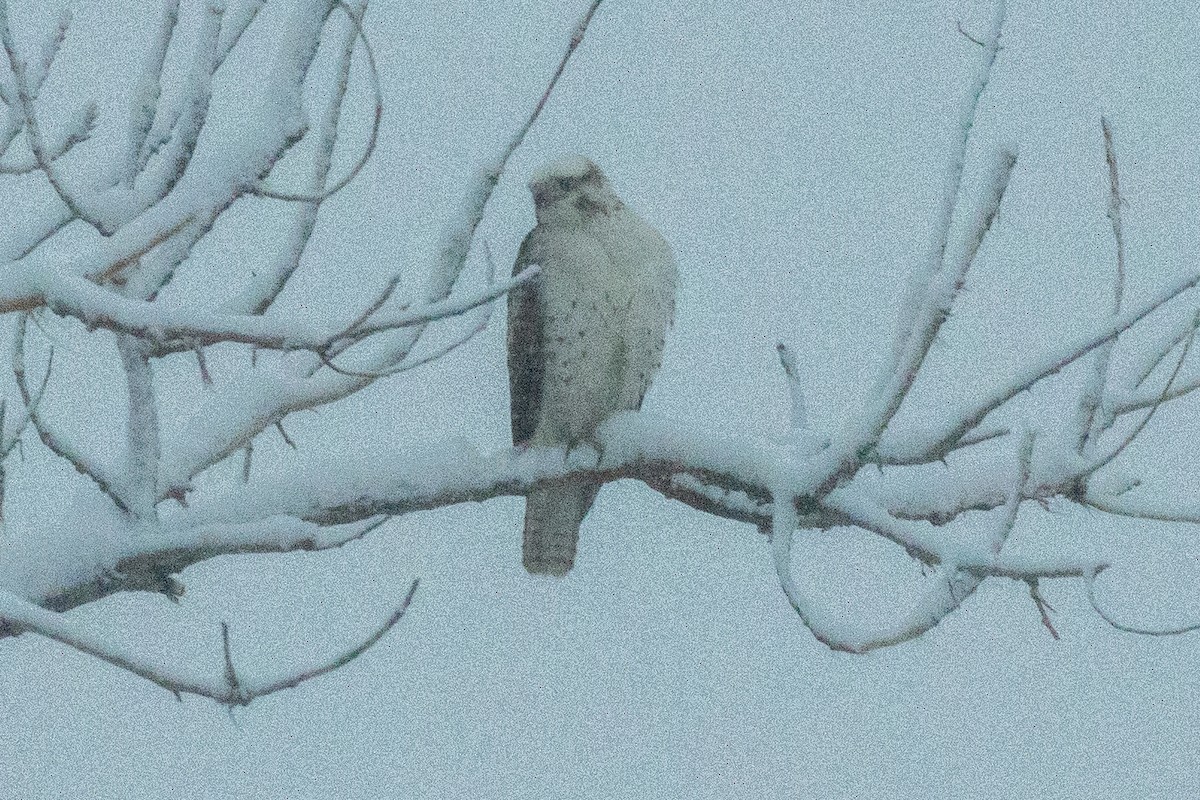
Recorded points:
792,153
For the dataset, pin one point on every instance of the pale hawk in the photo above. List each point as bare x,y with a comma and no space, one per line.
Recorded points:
584,338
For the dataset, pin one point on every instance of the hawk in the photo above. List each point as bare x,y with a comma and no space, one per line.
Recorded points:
584,338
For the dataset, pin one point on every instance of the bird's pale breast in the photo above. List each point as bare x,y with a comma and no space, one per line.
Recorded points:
608,307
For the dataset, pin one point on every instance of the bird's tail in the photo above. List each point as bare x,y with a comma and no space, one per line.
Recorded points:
552,519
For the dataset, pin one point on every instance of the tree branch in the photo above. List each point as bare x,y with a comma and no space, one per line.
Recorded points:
230,688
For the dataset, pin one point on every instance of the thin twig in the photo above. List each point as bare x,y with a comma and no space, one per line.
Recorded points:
26,98
1052,364
379,302
1115,201
1124,628
1092,424
1129,439
1043,607
51,440
372,139
18,615
349,655
202,364
791,371
248,450
284,435
968,36
231,676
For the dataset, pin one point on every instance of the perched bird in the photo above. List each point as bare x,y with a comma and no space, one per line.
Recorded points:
584,338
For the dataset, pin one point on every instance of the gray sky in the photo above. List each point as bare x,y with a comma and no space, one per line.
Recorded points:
792,154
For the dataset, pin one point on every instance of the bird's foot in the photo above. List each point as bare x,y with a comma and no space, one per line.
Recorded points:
585,452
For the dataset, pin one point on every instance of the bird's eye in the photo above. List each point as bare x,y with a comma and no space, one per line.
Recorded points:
564,184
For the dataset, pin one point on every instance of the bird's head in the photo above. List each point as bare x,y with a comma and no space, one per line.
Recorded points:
572,187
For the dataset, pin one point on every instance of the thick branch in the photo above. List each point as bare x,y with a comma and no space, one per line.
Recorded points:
723,476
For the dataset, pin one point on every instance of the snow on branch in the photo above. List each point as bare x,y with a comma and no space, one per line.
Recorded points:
231,687
719,474
916,321
1039,368
335,112
98,307
950,495
231,423
25,93
180,168
812,489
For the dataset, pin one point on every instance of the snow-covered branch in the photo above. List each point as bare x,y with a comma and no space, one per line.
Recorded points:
157,323
180,170
230,687
728,476
950,493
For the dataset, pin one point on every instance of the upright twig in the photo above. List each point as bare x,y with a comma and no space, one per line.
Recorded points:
1092,423
791,371
307,207
145,104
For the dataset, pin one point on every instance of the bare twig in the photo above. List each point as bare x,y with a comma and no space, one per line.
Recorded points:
1114,211
410,362
1124,628
968,36
47,230
1016,494
231,689
787,359
349,655
231,677
202,365
284,435
247,459
53,442
1091,424
1163,350
344,337
1112,455
1043,607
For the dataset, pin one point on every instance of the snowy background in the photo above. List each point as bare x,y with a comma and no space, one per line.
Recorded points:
792,154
